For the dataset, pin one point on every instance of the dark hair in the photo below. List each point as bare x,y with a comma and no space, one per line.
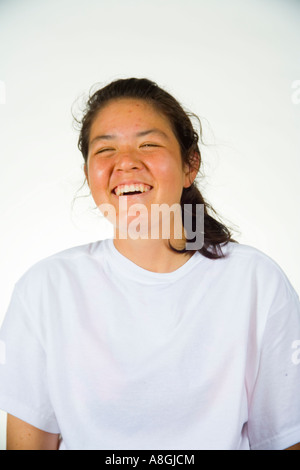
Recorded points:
215,232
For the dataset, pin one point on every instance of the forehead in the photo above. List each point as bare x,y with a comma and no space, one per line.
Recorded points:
129,113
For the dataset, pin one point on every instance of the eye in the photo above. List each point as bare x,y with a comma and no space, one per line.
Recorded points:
150,145
107,149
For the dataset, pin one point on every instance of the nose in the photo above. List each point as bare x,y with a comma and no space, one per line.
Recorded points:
127,161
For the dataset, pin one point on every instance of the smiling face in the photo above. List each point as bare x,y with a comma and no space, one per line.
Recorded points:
133,150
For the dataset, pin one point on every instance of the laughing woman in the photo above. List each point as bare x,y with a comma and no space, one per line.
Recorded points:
151,342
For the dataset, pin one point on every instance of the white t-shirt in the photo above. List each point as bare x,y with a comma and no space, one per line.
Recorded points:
113,356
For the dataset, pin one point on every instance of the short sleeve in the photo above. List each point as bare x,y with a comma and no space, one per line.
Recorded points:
274,409
23,372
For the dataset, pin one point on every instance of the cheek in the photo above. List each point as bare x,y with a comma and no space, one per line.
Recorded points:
171,175
97,176
98,186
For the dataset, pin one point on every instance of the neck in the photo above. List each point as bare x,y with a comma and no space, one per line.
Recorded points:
153,255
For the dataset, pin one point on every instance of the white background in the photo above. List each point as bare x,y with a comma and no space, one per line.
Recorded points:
234,63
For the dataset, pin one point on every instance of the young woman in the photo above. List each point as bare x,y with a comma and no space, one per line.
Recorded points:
138,342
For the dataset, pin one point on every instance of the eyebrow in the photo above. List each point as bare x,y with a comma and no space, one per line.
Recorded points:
139,134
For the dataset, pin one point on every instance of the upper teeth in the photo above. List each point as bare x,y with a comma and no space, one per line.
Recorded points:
127,188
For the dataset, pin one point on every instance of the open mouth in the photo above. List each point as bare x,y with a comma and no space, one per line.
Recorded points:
131,189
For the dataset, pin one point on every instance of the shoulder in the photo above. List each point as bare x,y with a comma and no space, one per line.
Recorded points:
250,257
260,271
247,252
53,267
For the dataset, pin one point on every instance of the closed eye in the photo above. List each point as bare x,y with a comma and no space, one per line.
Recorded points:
111,149
104,150
150,145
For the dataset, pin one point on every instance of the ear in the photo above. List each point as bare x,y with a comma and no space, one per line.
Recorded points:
86,173
191,170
